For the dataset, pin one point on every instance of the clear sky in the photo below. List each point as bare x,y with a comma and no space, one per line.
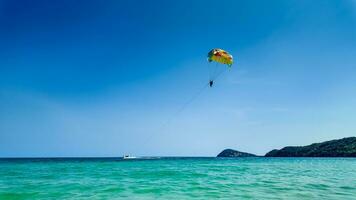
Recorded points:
99,78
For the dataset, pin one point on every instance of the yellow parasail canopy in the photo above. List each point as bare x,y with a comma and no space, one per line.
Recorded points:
220,56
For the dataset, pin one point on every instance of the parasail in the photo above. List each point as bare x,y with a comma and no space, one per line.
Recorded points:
220,56
222,60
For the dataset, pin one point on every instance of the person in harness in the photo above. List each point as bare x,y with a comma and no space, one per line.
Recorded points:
211,82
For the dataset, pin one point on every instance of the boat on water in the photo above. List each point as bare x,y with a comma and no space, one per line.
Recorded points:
128,157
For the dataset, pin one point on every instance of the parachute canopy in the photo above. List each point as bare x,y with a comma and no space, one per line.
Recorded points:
220,56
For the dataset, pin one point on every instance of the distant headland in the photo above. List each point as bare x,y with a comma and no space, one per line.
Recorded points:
345,147
234,153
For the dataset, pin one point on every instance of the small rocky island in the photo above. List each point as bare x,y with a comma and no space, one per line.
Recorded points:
345,147
234,153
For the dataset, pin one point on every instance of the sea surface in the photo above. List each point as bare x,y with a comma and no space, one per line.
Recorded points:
178,178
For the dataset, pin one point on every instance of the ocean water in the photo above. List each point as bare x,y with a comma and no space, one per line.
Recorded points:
179,178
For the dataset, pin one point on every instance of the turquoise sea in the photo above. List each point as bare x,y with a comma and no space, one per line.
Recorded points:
179,178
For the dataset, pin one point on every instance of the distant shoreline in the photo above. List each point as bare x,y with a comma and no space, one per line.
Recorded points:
39,159
345,147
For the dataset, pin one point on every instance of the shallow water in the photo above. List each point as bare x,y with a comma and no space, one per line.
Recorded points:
179,178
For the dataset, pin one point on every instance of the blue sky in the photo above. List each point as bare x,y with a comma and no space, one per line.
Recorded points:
99,78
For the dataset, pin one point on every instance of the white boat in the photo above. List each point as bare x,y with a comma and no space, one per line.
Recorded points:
128,157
